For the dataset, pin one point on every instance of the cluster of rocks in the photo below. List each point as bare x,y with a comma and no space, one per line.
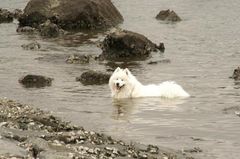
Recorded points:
71,14
17,13
41,135
5,16
51,16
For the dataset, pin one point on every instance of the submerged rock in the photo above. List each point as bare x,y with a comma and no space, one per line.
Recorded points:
78,59
168,16
236,74
193,150
71,14
93,77
49,29
17,13
126,45
26,29
161,47
31,46
159,61
5,16
35,81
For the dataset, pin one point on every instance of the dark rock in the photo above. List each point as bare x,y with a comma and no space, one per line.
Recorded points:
168,16
17,13
35,81
197,139
79,59
126,45
49,29
161,47
5,16
93,77
35,150
31,46
26,29
193,150
159,61
71,14
163,14
236,74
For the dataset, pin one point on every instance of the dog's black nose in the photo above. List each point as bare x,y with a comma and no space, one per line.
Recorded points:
117,84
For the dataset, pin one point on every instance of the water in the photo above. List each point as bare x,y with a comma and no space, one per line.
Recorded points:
203,49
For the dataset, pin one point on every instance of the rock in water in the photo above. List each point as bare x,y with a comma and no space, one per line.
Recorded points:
35,81
71,14
31,46
26,29
49,29
17,13
168,16
5,16
126,45
93,77
236,74
78,59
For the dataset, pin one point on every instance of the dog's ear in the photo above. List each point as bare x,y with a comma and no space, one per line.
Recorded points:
127,71
117,69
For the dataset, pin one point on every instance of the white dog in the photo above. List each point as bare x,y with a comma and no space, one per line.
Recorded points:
124,85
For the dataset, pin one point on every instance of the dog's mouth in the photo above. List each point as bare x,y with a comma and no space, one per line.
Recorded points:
119,87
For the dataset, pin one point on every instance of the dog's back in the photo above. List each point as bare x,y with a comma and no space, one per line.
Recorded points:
168,89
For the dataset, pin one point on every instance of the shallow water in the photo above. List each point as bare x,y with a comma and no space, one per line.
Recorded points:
203,50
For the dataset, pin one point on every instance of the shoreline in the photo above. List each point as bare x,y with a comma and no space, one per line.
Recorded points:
38,134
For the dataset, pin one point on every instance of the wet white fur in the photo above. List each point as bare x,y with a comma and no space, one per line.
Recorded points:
132,88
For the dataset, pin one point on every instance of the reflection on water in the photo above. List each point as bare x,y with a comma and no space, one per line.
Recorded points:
125,108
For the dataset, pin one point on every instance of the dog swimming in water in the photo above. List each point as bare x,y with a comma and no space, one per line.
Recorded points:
124,84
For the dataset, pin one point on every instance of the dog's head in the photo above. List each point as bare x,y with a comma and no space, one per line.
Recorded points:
119,79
